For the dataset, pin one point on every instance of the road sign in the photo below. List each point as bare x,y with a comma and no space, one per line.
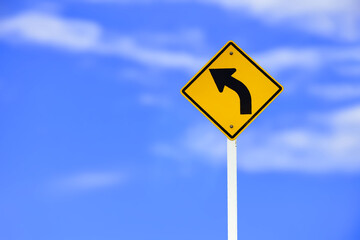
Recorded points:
231,90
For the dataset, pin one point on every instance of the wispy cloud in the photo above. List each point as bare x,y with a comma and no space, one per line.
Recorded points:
87,36
281,59
331,18
87,181
328,142
192,38
202,142
155,100
306,63
333,147
49,29
336,92
327,17
341,59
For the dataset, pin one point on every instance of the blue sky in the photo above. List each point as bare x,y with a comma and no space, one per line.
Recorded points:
97,142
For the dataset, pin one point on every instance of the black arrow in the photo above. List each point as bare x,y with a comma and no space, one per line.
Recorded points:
222,78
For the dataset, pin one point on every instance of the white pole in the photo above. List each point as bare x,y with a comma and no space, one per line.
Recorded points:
232,189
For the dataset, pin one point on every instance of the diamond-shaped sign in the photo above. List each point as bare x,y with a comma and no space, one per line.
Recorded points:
231,90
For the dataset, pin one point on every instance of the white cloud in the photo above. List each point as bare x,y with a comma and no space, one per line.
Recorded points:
155,100
336,92
283,9
333,147
161,58
337,19
89,181
302,65
190,37
86,36
342,60
289,58
47,29
202,142
81,35
347,118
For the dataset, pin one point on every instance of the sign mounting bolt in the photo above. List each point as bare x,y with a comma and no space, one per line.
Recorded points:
231,126
231,53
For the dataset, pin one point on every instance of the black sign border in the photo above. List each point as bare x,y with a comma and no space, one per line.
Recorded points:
256,114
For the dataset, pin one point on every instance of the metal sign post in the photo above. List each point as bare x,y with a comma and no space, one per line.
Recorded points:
232,189
231,90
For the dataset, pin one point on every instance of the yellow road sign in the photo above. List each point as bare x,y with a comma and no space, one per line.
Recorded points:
231,90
